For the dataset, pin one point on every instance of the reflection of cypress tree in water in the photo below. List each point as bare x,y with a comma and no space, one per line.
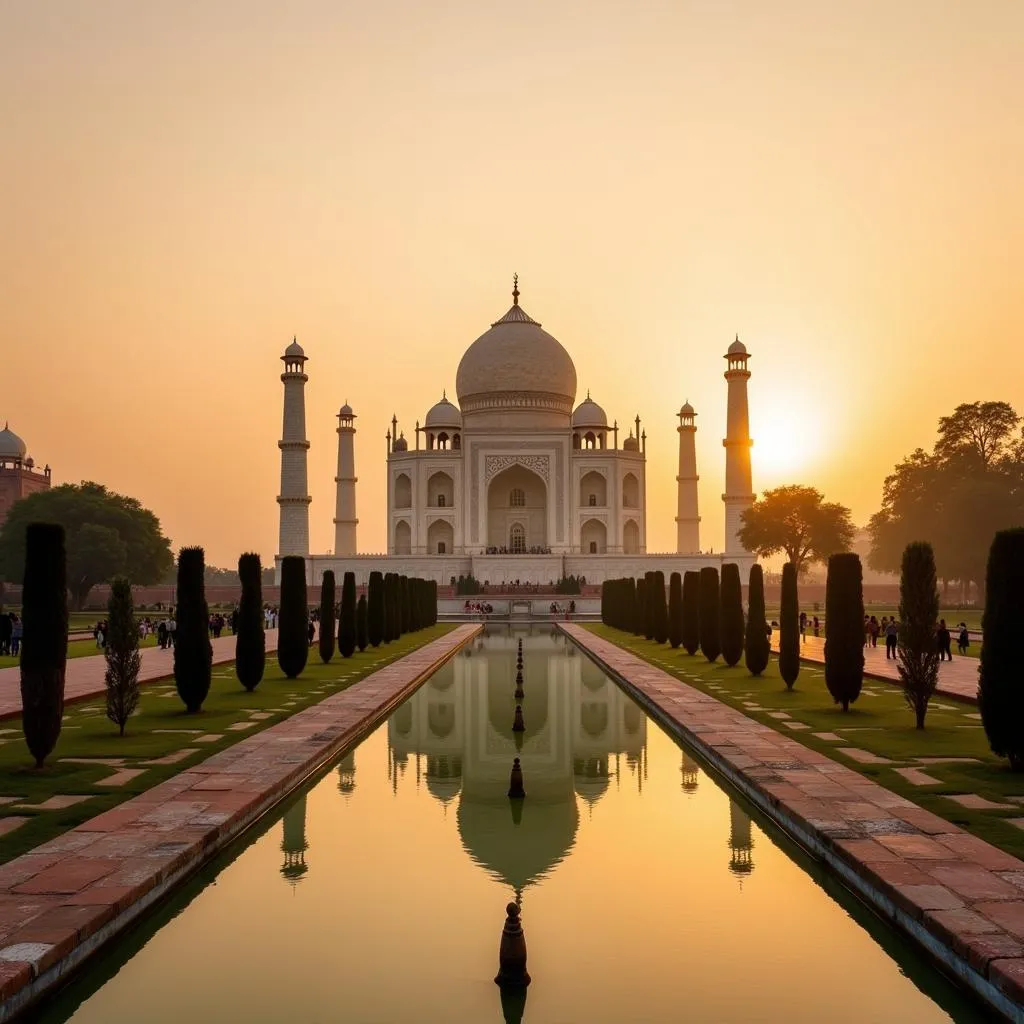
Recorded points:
691,773
293,844
347,773
741,843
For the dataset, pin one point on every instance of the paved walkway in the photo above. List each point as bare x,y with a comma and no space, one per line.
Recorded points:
957,678
959,897
84,677
62,900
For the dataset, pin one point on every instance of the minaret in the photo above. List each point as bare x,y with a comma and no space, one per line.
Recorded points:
741,843
739,489
293,841
345,502
294,498
687,520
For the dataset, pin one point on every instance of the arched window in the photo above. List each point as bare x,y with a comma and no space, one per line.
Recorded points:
517,539
440,547
517,498
457,442
440,501
442,441
593,547
593,501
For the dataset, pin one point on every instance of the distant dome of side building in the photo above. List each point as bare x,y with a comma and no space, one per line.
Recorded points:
18,474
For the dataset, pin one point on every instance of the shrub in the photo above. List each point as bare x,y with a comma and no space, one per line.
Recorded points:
361,624
293,618
121,652
250,638
375,609
757,648
691,612
710,631
917,651
347,617
193,655
640,608
1000,694
844,628
730,605
44,641
675,609
789,627
326,631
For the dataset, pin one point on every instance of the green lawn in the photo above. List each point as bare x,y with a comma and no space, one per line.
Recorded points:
879,722
88,734
77,649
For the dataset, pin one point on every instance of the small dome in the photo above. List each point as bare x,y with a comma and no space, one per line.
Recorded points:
30,463
294,351
589,414
401,445
11,446
687,410
737,348
631,444
444,414
346,410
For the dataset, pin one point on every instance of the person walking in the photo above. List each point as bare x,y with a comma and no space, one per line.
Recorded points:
963,641
16,630
817,626
945,641
891,638
873,630
803,627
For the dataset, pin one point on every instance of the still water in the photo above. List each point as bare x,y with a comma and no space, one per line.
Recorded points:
647,892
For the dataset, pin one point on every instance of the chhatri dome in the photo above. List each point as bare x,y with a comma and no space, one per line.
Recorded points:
11,446
444,414
516,366
589,414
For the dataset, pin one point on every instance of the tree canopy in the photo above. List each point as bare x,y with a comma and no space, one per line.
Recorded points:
955,497
798,521
107,535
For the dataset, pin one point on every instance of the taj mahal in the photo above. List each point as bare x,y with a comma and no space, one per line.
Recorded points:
517,482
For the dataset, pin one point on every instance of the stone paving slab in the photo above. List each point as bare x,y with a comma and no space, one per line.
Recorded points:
957,678
62,901
961,899
84,676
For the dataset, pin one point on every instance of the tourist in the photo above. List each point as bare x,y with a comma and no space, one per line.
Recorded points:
172,628
16,628
161,634
867,630
803,627
963,641
6,624
891,637
817,626
311,631
873,630
945,642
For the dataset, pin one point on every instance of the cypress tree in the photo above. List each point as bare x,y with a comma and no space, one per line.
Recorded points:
44,642
406,601
293,619
361,623
326,631
731,614
917,652
710,637
640,607
675,609
390,626
650,604
844,628
375,609
757,648
1000,694
789,627
660,622
250,638
604,602
433,602
193,655
691,612
347,617
121,653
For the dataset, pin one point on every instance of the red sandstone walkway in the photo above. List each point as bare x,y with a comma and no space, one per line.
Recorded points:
62,900
84,676
957,678
959,897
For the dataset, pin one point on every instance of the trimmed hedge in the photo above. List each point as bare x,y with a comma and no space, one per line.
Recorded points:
326,630
757,646
375,609
789,627
710,635
844,628
362,638
347,616
917,651
730,605
293,618
250,636
675,610
691,612
193,653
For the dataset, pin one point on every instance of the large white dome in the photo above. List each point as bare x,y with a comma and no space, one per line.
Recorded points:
516,365
11,446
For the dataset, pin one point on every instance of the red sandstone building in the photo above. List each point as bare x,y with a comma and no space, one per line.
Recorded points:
18,474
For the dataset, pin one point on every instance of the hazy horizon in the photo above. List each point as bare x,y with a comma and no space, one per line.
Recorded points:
191,184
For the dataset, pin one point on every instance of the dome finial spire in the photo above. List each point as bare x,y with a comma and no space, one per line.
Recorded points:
515,289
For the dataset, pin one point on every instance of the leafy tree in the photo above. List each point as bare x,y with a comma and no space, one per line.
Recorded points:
250,637
193,654
798,521
375,609
44,642
731,614
844,629
347,617
691,612
107,534
326,631
361,623
757,649
789,627
675,610
1000,693
293,618
917,651
979,432
710,634
121,652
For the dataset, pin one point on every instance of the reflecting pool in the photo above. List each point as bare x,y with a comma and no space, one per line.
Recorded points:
647,892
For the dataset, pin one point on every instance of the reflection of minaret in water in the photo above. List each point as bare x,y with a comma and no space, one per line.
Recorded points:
294,844
691,773
741,843
347,774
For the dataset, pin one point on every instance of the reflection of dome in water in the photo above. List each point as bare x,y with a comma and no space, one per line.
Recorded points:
501,704
593,678
403,719
631,717
444,777
594,718
441,718
590,777
517,854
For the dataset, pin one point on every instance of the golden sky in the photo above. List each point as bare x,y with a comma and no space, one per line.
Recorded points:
188,183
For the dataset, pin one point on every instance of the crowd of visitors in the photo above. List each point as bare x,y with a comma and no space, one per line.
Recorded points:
504,550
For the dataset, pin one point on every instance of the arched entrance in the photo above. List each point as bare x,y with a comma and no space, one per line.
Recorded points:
594,537
631,538
440,538
440,491
517,512
593,490
403,538
403,491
